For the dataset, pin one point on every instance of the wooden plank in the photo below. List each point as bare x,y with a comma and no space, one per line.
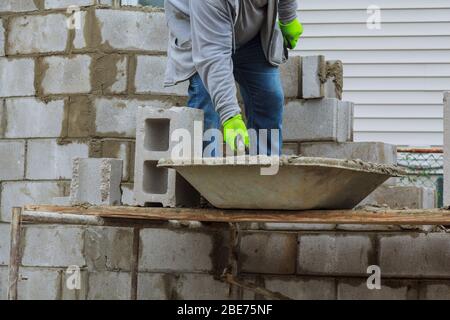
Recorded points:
384,217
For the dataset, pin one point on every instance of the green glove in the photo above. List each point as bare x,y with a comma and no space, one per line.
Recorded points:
234,127
291,32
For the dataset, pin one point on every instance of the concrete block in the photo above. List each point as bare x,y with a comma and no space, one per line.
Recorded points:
128,195
4,274
335,253
32,118
66,75
109,249
183,251
290,149
335,80
110,73
269,253
12,159
376,152
447,149
37,34
434,290
150,72
96,181
201,287
155,139
17,5
5,237
356,289
399,197
109,286
317,120
48,159
132,30
53,246
117,117
119,149
2,39
39,284
313,76
16,77
158,286
27,193
415,255
290,77
303,288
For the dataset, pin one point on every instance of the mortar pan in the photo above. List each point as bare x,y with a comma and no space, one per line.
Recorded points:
301,183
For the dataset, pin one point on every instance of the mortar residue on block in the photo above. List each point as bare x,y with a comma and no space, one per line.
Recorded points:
159,132
313,77
286,183
334,79
318,120
96,181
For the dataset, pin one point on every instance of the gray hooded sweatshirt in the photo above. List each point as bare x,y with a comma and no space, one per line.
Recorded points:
205,33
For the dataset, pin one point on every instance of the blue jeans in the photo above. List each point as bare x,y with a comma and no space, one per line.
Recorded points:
262,92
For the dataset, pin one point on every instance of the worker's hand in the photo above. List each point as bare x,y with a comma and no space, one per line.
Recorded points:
234,128
291,32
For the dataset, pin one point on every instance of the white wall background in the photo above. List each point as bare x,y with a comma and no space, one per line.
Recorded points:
396,76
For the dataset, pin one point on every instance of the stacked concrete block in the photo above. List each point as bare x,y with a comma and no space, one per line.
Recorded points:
4,244
37,34
160,286
157,130
2,39
19,193
17,77
291,77
415,255
299,288
356,289
96,181
66,75
18,5
318,120
46,159
447,149
335,253
32,118
12,159
164,250
278,248
400,197
150,74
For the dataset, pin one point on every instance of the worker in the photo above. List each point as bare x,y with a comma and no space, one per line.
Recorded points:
216,43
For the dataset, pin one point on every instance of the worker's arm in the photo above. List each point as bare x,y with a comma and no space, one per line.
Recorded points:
212,46
290,26
287,10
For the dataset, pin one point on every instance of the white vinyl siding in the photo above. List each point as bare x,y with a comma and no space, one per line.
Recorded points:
396,75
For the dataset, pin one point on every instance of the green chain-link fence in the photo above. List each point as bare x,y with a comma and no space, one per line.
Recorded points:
424,167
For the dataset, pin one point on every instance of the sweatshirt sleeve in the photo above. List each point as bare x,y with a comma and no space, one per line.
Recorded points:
212,48
287,10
